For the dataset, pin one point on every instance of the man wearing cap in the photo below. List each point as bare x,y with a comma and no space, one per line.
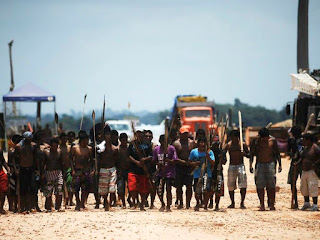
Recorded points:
310,157
266,150
183,147
26,153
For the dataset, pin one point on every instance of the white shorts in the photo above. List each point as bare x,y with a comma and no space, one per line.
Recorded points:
234,172
309,184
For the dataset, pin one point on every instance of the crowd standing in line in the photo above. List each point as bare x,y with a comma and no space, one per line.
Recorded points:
112,168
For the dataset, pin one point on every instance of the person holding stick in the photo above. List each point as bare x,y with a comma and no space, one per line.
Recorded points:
294,147
138,179
217,183
203,159
237,169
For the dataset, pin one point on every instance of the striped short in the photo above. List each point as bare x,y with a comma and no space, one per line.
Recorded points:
237,172
54,182
107,181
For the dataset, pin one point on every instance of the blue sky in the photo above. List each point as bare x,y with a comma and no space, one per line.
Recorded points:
147,52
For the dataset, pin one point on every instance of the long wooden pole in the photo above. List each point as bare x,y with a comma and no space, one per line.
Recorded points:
14,108
240,130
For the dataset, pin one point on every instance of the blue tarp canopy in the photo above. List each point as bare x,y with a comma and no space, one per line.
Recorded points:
29,93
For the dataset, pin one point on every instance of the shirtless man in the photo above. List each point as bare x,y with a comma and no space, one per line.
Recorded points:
12,196
53,176
309,180
3,181
26,153
183,147
266,150
108,158
122,168
40,146
82,165
237,169
67,170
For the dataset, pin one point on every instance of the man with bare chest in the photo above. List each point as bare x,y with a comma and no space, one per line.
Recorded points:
108,158
183,147
26,153
122,168
237,169
310,157
67,170
53,177
82,163
266,150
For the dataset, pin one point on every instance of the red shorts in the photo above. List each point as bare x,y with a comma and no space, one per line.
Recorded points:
3,181
138,183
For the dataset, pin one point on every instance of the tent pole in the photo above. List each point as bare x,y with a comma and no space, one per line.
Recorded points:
54,115
4,127
38,115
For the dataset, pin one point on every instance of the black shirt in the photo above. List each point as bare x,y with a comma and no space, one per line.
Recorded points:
145,150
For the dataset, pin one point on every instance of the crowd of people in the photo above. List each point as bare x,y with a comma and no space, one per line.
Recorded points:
132,174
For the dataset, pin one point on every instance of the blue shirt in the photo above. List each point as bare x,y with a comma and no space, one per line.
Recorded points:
196,156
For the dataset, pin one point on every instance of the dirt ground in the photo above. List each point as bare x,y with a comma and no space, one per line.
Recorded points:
283,223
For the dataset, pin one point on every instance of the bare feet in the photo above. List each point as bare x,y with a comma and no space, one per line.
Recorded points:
242,206
161,209
231,205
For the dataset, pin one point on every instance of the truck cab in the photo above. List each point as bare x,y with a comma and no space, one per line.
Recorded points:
197,118
194,112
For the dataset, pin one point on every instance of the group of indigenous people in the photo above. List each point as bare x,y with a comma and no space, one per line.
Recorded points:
119,172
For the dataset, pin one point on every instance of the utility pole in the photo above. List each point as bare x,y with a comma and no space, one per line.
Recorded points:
303,39
14,109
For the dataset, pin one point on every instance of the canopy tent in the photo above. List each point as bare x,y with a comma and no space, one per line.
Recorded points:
29,93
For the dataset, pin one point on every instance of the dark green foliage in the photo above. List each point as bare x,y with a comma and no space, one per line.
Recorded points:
251,116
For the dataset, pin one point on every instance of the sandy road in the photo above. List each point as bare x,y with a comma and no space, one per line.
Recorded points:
283,223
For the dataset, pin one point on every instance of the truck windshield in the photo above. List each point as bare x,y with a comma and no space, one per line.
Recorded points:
197,113
119,126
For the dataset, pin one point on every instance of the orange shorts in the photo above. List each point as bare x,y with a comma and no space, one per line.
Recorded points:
138,183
